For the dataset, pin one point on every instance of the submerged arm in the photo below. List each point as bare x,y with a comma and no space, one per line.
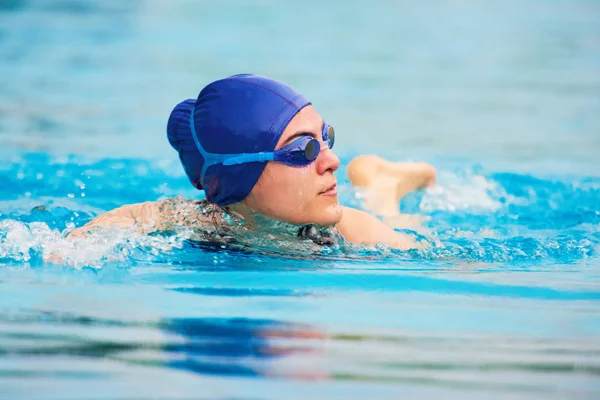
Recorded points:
360,227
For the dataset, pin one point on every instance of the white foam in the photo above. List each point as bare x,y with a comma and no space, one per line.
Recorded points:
460,192
21,242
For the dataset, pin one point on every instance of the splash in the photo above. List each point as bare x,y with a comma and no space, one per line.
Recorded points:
471,217
467,191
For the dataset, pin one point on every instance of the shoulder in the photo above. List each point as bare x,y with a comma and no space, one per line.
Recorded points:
147,217
126,216
360,227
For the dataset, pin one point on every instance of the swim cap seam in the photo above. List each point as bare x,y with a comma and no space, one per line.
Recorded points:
276,120
268,90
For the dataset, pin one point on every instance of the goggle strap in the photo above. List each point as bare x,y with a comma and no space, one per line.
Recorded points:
246,158
234,159
204,153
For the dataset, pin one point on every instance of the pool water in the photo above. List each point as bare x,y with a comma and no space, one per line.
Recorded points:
504,99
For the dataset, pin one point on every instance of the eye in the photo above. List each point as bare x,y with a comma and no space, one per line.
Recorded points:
312,149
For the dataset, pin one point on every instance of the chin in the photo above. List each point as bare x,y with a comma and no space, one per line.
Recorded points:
319,214
330,216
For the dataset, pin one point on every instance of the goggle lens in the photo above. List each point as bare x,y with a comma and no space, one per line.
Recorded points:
312,150
330,136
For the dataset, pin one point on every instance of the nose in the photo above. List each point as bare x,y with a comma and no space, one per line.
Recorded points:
327,161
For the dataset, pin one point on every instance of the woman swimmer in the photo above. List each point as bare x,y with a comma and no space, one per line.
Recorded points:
262,153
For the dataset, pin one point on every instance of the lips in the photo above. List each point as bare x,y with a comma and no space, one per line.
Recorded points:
330,191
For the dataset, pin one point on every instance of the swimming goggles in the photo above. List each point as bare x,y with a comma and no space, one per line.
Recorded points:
300,152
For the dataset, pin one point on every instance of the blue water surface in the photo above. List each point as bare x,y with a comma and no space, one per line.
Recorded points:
503,98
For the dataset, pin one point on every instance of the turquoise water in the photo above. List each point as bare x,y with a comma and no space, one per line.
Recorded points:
504,99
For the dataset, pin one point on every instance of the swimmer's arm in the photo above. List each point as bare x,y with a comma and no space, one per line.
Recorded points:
360,227
140,216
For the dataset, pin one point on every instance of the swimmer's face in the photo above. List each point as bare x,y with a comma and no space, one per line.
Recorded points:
299,195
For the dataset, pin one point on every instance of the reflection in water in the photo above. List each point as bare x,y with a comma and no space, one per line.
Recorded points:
239,346
247,347
222,346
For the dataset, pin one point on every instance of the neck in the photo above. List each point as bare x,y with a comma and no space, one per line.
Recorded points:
258,222
240,211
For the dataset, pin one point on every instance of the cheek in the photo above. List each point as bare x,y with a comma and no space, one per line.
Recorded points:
282,185
291,182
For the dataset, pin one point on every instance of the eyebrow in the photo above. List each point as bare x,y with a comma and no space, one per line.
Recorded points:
303,133
299,134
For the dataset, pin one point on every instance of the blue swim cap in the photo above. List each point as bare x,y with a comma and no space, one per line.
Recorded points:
239,114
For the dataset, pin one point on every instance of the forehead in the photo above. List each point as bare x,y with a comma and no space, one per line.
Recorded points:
307,120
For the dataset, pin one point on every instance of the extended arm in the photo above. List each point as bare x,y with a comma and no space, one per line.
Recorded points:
360,227
388,181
